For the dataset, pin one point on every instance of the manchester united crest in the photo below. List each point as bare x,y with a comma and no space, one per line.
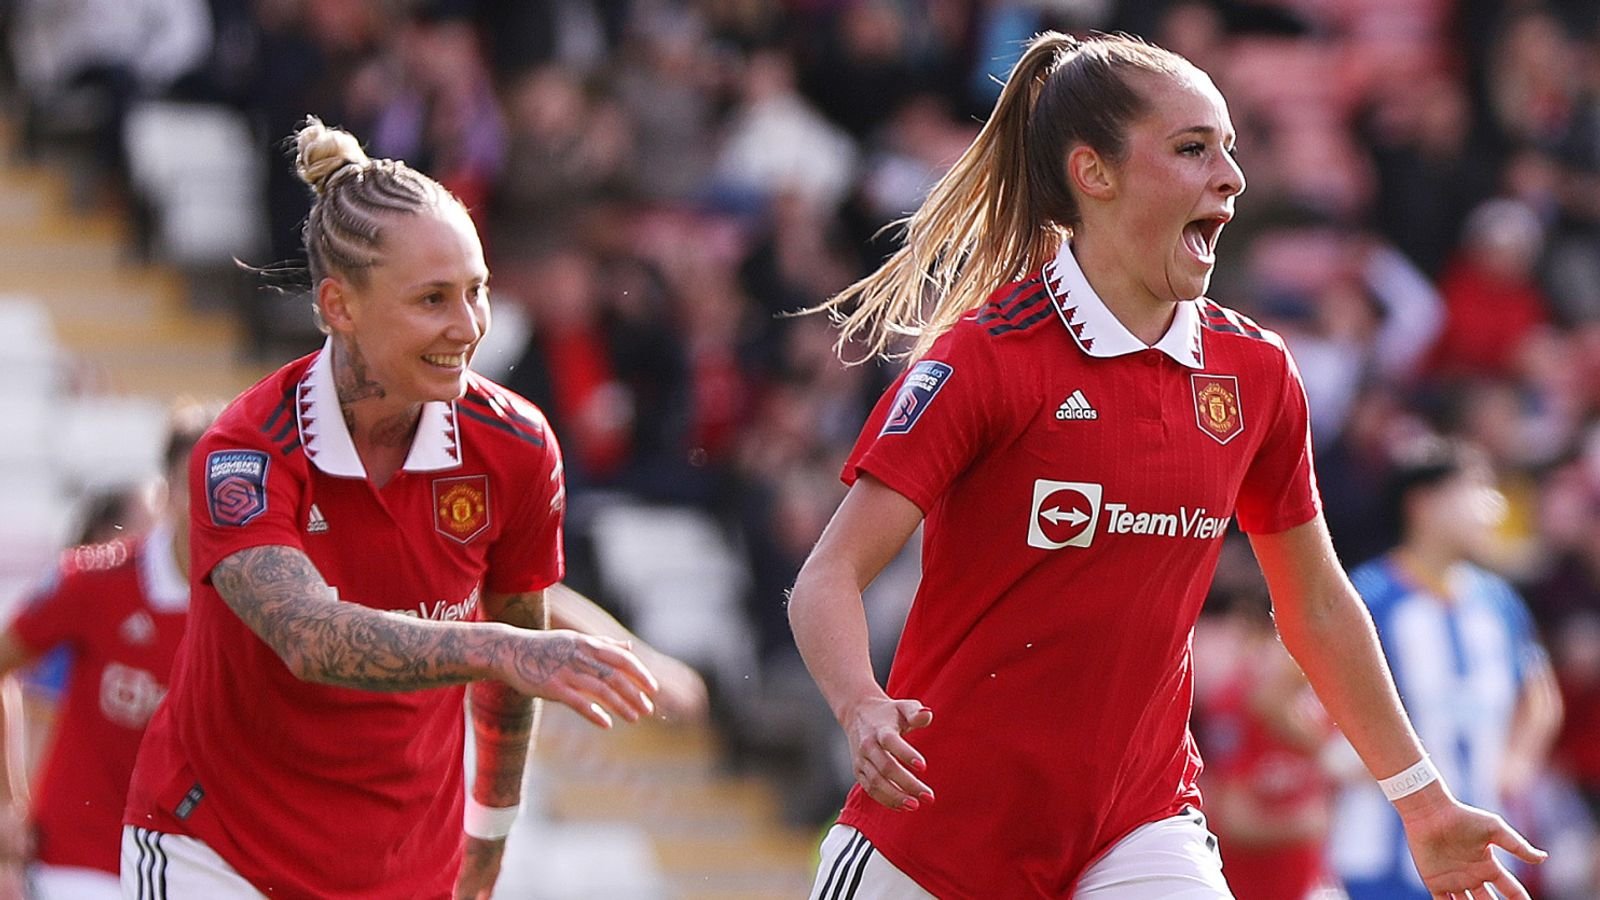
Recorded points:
1216,406
461,506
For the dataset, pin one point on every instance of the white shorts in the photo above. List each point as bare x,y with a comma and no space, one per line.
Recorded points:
156,866
1172,859
852,868
72,883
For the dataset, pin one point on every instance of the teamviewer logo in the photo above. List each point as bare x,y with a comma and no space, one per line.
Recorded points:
1065,514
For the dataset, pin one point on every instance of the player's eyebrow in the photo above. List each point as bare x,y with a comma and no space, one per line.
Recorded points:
441,284
1204,131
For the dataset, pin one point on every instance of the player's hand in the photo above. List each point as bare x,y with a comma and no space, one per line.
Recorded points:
1451,842
597,676
683,696
884,761
480,868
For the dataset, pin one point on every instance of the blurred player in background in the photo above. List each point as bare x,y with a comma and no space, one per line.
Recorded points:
1471,673
1268,797
118,609
374,526
1078,428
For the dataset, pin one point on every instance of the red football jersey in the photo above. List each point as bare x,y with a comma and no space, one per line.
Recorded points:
120,608
1076,485
1279,778
319,791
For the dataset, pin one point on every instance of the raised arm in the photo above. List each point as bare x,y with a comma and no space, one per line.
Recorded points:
1325,625
830,628
277,591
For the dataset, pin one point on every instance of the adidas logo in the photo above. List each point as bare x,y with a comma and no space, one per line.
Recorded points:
315,523
1076,406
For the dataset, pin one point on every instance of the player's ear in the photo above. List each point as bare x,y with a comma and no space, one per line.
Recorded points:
1090,173
333,304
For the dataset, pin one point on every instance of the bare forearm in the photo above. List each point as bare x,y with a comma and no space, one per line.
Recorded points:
830,629
1327,629
1333,640
13,744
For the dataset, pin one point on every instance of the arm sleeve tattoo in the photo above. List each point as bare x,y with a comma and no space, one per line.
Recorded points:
505,722
278,592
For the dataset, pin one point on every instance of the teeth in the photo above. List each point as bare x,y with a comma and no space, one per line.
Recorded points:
451,359
1195,239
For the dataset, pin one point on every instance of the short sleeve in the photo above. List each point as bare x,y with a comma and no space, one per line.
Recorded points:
932,422
529,555
244,492
54,611
1279,490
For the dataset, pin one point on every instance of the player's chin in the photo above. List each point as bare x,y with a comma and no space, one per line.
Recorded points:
444,387
1188,279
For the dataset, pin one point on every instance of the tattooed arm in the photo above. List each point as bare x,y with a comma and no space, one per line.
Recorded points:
504,723
277,591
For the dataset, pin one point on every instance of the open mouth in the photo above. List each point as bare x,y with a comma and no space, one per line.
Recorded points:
1200,236
446,360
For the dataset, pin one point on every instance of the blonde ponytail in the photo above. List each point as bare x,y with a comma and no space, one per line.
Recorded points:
1004,207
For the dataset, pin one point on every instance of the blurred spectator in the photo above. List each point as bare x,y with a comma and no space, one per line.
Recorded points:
1533,78
431,103
777,142
1471,673
568,368
914,146
1572,268
1351,307
309,52
1352,469
1566,600
1578,748
1428,155
567,146
666,81
1492,298
866,69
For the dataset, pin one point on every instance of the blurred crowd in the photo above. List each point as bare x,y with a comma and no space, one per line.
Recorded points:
661,181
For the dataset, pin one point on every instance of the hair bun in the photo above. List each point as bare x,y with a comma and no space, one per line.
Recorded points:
322,152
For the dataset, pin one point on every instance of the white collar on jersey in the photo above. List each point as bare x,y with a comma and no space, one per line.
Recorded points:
163,582
1099,333
327,442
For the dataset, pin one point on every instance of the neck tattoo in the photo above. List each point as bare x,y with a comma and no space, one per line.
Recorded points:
351,379
353,383
396,430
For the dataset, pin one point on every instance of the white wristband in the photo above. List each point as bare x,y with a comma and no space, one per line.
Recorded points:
1410,781
487,823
